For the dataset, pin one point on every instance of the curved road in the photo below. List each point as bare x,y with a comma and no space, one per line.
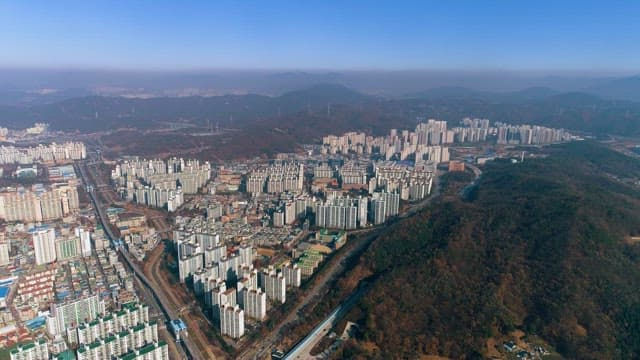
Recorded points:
302,349
192,351
329,272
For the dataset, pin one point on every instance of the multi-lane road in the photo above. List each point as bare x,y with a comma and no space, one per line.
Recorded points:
157,298
328,273
302,350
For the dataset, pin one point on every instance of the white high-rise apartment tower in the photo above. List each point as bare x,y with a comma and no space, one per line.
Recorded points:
44,244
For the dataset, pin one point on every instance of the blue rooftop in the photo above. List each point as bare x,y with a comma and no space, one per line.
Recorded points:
38,228
4,291
7,281
35,323
178,325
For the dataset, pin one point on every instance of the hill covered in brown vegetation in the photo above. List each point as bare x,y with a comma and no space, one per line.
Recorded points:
541,246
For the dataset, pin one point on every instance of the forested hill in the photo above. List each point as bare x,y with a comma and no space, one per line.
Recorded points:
543,246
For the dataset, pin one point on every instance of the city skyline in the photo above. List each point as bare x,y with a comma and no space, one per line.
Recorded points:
319,179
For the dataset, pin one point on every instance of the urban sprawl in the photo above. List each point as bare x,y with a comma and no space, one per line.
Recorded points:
244,234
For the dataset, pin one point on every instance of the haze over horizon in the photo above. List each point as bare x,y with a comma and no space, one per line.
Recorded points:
149,48
413,179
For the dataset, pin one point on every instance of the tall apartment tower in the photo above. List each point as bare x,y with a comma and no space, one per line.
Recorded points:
275,286
4,252
255,303
292,275
232,321
44,244
85,241
246,254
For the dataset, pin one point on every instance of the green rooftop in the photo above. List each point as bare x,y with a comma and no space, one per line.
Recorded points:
130,305
146,349
66,355
28,346
129,356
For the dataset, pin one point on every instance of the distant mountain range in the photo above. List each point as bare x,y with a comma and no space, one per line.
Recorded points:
617,89
100,112
627,88
580,111
527,94
39,97
26,87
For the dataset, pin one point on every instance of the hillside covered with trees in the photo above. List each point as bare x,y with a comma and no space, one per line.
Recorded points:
545,247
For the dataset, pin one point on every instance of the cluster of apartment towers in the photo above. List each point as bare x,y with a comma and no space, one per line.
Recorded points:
391,183
42,153
227,281
160,183
39,202
424,144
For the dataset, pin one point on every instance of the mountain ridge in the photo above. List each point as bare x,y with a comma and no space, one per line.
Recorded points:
576,111
539,247
108,112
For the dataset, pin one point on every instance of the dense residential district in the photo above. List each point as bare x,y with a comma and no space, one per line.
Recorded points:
78,231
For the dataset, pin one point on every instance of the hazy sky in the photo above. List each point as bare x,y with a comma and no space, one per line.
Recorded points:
326,34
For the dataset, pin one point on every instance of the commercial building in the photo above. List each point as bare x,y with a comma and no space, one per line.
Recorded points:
85,240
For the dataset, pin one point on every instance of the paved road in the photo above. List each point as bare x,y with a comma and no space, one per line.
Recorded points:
193,315
302,350
191,351
477,173
330,272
